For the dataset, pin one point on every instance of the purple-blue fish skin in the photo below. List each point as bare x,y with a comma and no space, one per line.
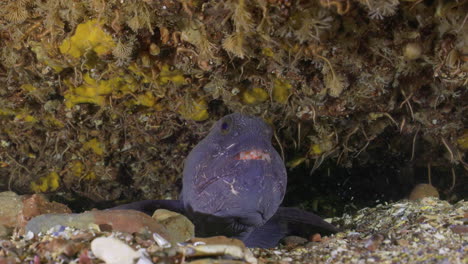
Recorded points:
221,179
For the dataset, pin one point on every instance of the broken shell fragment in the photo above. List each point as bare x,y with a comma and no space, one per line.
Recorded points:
218,246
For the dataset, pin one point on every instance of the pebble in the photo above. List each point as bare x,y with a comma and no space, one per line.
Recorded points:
11,207
459,229
374,242
5,231
113,251
423,190
316,237
144,260
179,226
218,246
294,241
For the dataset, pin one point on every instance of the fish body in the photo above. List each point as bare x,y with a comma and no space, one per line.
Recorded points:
233,184
233,176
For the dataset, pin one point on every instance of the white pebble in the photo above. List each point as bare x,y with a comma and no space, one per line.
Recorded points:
144,260
29,236
113,251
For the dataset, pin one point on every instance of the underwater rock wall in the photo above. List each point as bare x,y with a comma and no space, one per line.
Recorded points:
104,99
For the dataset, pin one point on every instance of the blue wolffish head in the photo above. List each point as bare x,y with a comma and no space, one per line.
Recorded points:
234,173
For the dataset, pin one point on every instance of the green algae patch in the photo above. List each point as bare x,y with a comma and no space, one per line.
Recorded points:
463,140
95,145
146,99
51,182
20,115
145,78
52,121
281,90
88,36
295,162
28,87
6,112
95,91
268,52
78,170
167,75
196,110
24,116
254,96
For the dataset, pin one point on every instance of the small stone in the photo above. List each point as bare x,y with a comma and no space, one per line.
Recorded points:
459,229
353,235
28,236
412,51
403,242
113,251
144,260
179,226
10,209
5,231
316,238
17,210
423,190
294,241
7,260
37,204
374,242
218,246
154,49
84,258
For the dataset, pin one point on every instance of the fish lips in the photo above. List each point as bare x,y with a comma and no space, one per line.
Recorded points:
253,154
246,147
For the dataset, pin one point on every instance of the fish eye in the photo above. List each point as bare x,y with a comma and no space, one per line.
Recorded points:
226,126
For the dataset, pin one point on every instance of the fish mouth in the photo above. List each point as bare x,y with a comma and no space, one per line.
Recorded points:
253,154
